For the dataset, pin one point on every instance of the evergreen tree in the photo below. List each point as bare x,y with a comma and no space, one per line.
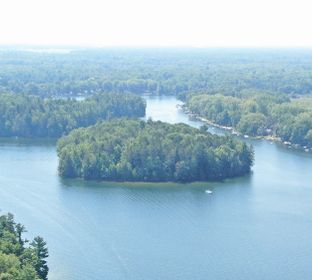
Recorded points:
41,252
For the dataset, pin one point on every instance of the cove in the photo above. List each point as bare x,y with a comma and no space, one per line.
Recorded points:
254,227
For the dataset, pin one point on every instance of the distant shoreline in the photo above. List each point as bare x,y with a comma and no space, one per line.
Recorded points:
236,133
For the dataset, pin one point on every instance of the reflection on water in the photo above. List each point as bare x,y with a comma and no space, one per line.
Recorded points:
255,227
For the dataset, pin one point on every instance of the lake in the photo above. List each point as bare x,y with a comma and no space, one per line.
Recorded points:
255,227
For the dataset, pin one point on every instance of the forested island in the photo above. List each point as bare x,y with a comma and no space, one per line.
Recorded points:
134,150
19,261
258,114
33,116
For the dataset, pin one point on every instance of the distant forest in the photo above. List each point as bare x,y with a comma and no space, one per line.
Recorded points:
259,92
30,116
258,114
156,71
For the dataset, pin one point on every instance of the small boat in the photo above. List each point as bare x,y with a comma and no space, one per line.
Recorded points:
208,191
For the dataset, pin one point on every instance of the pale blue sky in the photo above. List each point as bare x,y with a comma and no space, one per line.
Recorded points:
199,23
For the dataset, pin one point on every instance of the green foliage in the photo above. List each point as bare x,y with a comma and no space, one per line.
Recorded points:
252,124
308,137
242,84
133,150
31,116
41,251
18,262
258,114
224,110
156,71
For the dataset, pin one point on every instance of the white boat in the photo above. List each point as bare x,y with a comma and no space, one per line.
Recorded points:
208,191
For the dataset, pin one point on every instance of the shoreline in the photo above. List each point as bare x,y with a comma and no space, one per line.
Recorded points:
238,134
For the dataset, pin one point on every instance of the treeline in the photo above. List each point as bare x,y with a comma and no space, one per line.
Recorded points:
31,116
133,150
258,114
236,80
156,71
19,261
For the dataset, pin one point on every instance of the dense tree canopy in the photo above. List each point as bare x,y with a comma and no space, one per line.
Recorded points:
249,89
31,116
133,150
18,261
258,114
256,91
157,71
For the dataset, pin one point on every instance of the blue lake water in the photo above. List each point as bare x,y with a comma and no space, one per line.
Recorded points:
255,227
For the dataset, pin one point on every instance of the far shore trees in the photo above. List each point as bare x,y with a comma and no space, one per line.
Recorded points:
32,116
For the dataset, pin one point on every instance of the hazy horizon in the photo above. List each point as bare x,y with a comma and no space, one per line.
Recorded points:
139,23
